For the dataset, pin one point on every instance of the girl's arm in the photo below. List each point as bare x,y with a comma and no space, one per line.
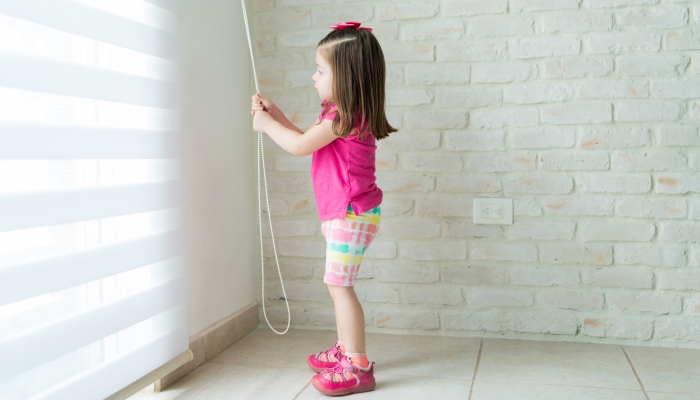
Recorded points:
294,141
262,103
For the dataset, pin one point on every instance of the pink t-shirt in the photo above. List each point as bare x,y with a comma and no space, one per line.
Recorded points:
343,172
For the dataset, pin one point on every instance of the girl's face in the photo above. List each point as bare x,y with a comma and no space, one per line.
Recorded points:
323,78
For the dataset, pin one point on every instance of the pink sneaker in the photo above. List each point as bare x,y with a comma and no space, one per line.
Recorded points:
325,359
345,378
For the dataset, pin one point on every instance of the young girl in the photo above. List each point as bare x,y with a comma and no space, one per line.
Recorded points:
350,82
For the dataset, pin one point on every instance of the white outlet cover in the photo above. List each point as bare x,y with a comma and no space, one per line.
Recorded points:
493,211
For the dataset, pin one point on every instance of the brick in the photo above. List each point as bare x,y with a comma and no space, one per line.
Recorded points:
469,97
679,232
642,208
304,206
407,140
406,272
647,111
443,296
266,43
666,256
577,22
386,161
458,8
277,207
443,74
471,50
482,297
542,5
392,206
294,228
396,182
437,119
546,47
679,329
544,324
641,303
503,72
469,183
432,31
570,300
410,228
305,292
475,141
619,42
538,183
538,93
662,160
619,277
299,79
464,229
297,3
617,3
510,161
654,18
621,328
500,26
301,248
292,163
502,117
577,68
677,183
594,231
432,162
589,206
293,268
542,138
679,279
409,10
682,40
612,89
288,183
544,276
377,294
460,321
574,161
679,136
542,230
395,53
604,183
652,65
503,252
577,113
613,137
305,38
394,75
443,206
576,254
475,275
426,320
407,97
286,19
331,15
676,88
432,251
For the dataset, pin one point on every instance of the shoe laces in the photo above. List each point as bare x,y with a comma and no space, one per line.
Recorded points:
339,373
327,353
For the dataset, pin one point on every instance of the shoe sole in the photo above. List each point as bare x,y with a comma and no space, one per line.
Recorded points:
367,387
319,369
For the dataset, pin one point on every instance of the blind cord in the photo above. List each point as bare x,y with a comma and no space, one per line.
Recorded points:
261,157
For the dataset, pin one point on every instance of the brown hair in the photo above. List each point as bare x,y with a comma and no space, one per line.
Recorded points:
359,77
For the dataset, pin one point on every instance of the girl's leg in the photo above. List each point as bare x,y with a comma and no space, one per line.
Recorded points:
349,317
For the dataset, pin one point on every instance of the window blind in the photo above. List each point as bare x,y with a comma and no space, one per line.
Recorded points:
92,287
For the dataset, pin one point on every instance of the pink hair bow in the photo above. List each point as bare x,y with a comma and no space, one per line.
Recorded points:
349,24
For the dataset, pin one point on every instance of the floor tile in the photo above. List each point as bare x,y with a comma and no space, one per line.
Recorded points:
559,363
485,390
667,370
673,396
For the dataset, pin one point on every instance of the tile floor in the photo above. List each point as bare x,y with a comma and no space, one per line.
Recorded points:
264,365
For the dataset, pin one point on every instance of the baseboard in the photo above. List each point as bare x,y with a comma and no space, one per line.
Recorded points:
216,338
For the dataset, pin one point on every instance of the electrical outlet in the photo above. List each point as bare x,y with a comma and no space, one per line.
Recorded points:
493,211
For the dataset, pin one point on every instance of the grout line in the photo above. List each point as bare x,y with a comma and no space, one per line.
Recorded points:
635,373
301,391
476,369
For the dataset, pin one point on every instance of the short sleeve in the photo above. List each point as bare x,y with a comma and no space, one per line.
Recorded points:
330,114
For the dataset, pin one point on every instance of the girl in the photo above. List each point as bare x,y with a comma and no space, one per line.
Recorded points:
350,82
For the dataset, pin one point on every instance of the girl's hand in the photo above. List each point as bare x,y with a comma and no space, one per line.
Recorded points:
261,103
260,120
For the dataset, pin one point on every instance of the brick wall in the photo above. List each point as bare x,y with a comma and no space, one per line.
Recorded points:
584,112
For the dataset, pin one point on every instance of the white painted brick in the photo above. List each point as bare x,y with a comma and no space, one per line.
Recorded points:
392,207
619,277
407,272
679,329
291,100
577,22
396,182
475,141
620,328
642,303
417,74
553,325
395,53
683,40
679,279
407,97
586,300
677,183
542,5
410,228
503,252
469,183
288,183
286,19
304,206
500,162
483,297
616,3
500,26
394,75
437,119
266,43
460,321
377,294
458,8
386,161
503,72
381,249
334,14
542,138
270,81
277,207
293,228
465,229
293,268
546,47
292,163
406,140
299,79
469,97
542,230
538,183
386,32
588,206
598,183
443,206
618,42
679,232
574,161
305,292
300,248
576,254
432,162
612,138
666,256
692,305
647,111
662,160
643,208
432,31
433,295
544,276
594,231
432,251
577,68
676,88
577,113
612,89
526,207
472,50
305,38
426,320
538,93
650,65
475,275
408,10
297,3
502,117
654,18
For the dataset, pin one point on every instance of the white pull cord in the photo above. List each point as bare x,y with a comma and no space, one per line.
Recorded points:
261,156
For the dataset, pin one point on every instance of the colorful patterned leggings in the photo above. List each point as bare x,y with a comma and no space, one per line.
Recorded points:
347,240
